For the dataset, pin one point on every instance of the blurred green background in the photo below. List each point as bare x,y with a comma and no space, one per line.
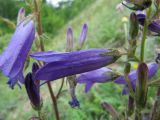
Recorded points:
106,29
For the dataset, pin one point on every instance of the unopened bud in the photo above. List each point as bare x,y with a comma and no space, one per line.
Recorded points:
134,26
21,15
69,46
130,105
141,85
83,35
33,92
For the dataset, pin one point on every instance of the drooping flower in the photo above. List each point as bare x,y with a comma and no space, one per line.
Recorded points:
154,26
71,63
13,58
32,88
101,75
152,70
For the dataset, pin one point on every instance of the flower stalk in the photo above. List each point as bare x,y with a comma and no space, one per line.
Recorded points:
144,36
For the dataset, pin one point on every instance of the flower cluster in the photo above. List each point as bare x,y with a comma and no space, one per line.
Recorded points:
81,66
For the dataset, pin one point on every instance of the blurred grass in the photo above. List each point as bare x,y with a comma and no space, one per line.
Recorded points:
105,30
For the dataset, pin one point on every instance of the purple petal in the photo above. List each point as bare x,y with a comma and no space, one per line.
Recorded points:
13,58
75,55
154,27
88,86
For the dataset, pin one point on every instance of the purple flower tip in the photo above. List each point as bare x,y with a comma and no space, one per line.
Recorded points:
13,58
83,35
74,103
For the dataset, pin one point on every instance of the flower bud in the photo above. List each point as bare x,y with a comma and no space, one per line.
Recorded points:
133,28
141,85
130,105
83,35
69,46
33,92
21,15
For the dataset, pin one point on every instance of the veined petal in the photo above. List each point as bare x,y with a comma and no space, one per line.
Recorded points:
13,58
52,56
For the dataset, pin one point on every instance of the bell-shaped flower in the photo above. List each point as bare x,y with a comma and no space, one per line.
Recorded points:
133,75
71,63
101,75
13,58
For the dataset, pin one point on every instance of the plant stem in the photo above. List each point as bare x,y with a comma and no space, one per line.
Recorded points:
143,41
145,29
40,32
138,115
60,89
53,100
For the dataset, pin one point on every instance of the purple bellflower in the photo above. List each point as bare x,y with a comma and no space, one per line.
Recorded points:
101,75
13,58
71,63
32,88
154,26
152,70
